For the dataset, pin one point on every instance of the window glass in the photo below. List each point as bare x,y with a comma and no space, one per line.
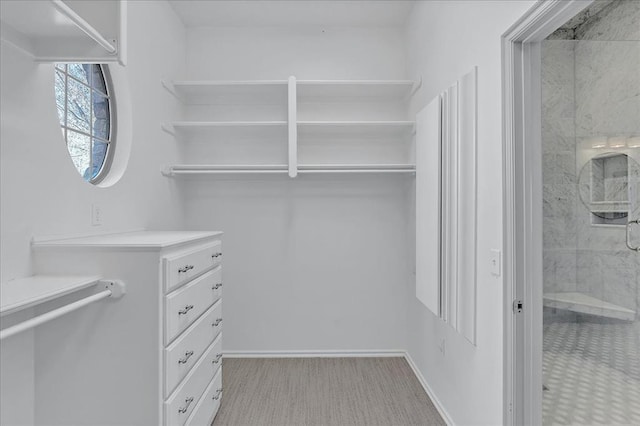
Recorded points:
83,102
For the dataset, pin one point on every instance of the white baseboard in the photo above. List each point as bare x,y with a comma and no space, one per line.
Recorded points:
436,402
315,354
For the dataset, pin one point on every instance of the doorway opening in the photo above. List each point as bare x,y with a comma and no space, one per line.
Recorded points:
571,102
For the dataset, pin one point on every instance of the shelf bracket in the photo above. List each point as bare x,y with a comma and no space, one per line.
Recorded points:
168,128
417,85
171,89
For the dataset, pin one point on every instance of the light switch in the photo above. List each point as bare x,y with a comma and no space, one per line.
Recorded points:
496,268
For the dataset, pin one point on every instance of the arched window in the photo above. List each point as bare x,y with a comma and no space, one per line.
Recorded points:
84,102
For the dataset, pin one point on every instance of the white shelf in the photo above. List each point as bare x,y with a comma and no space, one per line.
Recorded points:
228,129
25,293
144,240
294,132
357,168
275,91
54,31
222,169
363,129
212,92
355,89
265,129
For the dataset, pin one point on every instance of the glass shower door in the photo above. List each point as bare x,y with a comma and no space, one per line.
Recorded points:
591,192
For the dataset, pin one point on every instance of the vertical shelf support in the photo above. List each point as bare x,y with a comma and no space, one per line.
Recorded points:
293,128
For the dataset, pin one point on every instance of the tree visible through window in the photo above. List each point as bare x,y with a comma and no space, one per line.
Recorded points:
84,110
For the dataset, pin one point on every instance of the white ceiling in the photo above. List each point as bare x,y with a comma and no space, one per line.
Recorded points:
196,13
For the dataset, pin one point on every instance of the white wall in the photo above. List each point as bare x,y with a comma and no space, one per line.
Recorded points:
42,194
313,263
445,39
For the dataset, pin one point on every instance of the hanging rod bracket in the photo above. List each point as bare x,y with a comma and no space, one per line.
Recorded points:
116,287
167,171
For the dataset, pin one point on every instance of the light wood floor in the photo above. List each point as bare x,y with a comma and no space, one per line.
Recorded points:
323,391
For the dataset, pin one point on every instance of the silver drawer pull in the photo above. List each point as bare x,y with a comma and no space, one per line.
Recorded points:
217,286
217,360
184,409
217,395
214,255
187,355
185,310
186,268
217,322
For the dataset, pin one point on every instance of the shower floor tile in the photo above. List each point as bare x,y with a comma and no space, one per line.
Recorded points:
591,372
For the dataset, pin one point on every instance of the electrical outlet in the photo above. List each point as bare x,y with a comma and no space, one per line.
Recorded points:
96,215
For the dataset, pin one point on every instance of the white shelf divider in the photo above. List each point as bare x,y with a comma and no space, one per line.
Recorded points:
25,293
293,128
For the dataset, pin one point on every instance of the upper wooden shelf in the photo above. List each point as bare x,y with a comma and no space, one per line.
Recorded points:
66,31
25,293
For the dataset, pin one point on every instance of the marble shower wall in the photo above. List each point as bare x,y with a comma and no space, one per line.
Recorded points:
559,166
590,89
607,98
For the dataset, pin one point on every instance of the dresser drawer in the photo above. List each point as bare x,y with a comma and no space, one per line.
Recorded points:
182,354
185,305
209,404
181,267
185,398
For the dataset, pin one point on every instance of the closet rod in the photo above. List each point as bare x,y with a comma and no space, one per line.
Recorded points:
85,26
114,289
346,171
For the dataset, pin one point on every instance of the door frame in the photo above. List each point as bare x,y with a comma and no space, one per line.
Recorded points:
522,205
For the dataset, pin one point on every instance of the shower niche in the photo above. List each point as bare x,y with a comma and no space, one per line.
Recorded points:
606,184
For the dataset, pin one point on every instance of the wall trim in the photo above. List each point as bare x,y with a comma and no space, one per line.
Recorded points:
522,206
436,402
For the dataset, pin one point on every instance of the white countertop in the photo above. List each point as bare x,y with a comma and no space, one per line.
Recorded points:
137,239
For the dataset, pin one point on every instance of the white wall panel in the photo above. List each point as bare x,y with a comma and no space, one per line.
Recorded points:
428,204
466,243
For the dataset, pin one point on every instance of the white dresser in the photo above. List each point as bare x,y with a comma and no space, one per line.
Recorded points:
152,358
